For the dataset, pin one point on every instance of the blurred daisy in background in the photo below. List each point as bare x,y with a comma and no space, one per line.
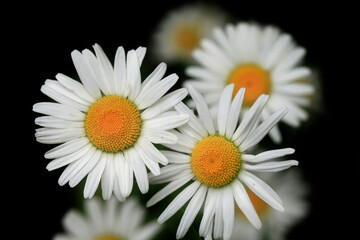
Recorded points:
213,160
293,191
261,59
107,123
181,30
108,220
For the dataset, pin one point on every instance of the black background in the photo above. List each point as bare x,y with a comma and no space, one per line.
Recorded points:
38,40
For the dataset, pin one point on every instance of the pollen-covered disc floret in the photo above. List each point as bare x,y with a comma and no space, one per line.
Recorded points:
113,124
215,161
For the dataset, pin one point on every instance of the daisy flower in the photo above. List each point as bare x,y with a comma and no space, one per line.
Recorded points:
181,30
293,192
214,158
108,221
107,123
261,59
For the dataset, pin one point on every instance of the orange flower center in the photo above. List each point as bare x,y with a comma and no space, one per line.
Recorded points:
113,124
109,237
215,161
252,77
187,38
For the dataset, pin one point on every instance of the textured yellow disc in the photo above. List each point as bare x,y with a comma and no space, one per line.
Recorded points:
215,161
113,124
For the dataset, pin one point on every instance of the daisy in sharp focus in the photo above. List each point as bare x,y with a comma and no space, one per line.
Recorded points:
293,191
261,59
181,30
108,221
107,123
214,160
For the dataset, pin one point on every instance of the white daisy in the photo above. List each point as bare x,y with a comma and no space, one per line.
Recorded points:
214,159
293,192
108,221
261,59
181,30
107,124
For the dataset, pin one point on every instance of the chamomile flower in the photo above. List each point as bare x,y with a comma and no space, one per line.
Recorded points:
214,160
293,192
181,30
261,59
108,220
107,123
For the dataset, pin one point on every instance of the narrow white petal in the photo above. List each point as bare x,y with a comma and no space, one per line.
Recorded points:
120,80
175,157
249,120
64,160
106,69
234,113
295,89
147,231
179,201
149,162
271,166
165,103
140,52
127,176
153,78
262,190
133,74
280,46
108,178
224,107
85,74
193,122
202,74
209,211
259,133
294,74
67,148
152,151
75,223
167,122
93,178
59,110
191,211
203,110
168,189
244,203
94,159
218,221
94,210
139,169
228,213
58,135
159,136
53,122
291,59
267,155
170,172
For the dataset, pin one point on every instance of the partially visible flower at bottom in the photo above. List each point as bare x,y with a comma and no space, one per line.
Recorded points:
108,221
293,191
214,159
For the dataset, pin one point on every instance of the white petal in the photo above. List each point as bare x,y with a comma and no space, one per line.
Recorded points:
234,113
94,210
228,213
58,135
291,59
94,159
170,172
159,136
218,221
126,173
203,110
153,78
149,162
295,89
224,107
262,190
139,171
179,201
85,74
202,74
209,211
280,46
259,133
168,189
271,166
175,157
59,110
294,74
108,178
133,74
249,120
120,81
244,203
193,122
165,103
191,211
140,52
167,122
53,122
267,155
152,151
147,231
106,70
67,148
75,223
94,177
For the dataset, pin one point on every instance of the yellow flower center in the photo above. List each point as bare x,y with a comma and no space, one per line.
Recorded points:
252,77
113,124
187,38
109,237
215,161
